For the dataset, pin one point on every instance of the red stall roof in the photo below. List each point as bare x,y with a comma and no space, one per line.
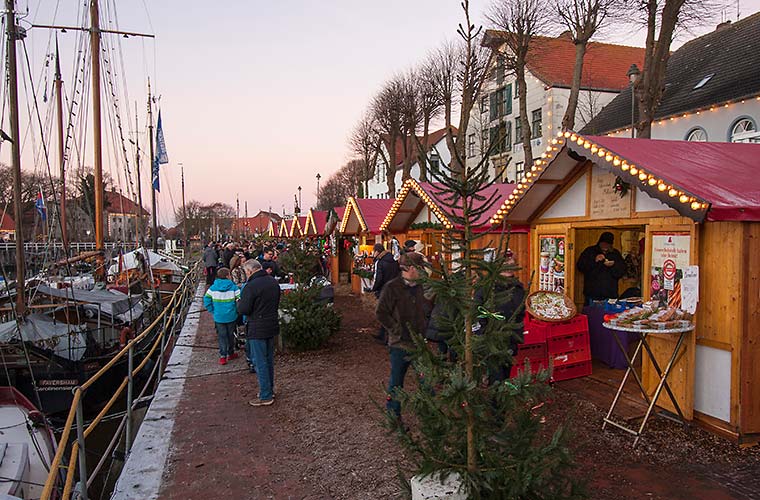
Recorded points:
714,181
726,175
369,213
316,222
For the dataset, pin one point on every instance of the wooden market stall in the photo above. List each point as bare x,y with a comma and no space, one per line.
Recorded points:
316,222
297,227
690,207
284,229
418,214
331,229
272,229
360,226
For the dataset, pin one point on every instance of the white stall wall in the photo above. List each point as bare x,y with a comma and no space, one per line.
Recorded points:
712,382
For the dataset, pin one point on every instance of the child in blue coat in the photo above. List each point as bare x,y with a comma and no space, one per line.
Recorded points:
221,301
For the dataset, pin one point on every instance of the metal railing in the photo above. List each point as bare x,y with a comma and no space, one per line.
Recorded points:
74,247
166,320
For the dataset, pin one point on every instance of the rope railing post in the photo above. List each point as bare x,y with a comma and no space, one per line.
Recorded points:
130,388
82,457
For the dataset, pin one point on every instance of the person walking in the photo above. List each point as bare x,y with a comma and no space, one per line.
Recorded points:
220,301
210,258
401,310
386,269
260,302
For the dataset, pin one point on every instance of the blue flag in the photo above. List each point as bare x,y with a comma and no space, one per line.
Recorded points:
40,206
162,156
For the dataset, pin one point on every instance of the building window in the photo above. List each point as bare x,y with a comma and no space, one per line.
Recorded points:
435,162
499,70
494,107
494,145
508,136
697,134
519,170
745,130
537,132
506,94
484,104
471,145
518,130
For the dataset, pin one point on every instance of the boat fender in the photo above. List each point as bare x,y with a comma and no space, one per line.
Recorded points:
125,335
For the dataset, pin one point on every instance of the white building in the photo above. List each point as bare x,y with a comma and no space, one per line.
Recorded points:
438,155
549,77
712,91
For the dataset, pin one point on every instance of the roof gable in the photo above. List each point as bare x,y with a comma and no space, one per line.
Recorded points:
552,60
364,215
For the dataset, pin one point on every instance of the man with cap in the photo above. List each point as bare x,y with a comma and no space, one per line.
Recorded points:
402,309
409,246
602,266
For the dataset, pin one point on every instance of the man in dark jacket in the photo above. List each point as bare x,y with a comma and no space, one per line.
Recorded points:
509,302
260,301
386,269
210,258
602,266
402,309
227,253
268,262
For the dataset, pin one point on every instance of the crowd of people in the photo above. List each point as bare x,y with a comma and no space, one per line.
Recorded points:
244,293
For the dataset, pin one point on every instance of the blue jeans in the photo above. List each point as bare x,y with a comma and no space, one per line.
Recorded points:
226,334
399,365
263,358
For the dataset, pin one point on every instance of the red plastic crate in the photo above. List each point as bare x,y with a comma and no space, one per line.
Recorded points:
535,331
569,371
571,357
532,351
569,342
539,330
536,364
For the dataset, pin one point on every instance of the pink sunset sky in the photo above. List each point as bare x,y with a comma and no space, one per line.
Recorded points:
257,97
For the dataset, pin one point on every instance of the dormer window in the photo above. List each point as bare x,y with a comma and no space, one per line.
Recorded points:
703,81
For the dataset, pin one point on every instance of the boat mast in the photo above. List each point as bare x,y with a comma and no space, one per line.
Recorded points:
185,245
61,147
13,35
97,135
154,231
139,218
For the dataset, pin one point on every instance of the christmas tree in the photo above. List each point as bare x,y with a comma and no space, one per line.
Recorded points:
491,431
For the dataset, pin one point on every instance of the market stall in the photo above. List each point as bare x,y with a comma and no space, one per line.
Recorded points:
284,229
360,230
693,210
316,222
297,227
418,214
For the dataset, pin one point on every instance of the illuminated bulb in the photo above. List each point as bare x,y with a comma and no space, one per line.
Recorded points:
608,157
533,168
601,153
704,206
594,149
662,187
543,155
683,198
616,161
634,170
519,186
642,176
695,205
625,166
554,141
652,181
586,144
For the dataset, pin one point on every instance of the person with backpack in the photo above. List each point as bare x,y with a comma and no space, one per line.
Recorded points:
221,301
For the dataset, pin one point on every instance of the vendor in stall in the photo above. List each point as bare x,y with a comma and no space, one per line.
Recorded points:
602,266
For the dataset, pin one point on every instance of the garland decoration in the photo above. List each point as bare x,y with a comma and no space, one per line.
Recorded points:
621,187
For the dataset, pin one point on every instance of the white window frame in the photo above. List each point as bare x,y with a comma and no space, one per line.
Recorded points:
746,136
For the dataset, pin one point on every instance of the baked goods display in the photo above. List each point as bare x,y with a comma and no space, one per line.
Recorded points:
550,306
650,316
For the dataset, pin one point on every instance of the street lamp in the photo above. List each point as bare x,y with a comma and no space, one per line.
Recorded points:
633,75
318,177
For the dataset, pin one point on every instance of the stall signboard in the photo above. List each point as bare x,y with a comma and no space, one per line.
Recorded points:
671,253
551,266
605,202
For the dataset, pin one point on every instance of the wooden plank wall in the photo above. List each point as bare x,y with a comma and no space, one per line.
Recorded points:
749,387
519,243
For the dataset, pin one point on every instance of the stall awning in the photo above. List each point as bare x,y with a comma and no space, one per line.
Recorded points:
416,195
364,215
700,180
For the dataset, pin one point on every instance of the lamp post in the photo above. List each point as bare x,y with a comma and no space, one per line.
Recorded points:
318,177
300,204
633,75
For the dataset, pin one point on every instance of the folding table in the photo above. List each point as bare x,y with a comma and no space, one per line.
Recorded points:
663,374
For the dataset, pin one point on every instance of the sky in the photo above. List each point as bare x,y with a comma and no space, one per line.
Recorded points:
257,97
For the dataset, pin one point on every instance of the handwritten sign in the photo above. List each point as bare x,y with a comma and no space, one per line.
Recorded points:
605,202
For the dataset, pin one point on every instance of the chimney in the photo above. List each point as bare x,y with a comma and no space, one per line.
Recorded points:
723,25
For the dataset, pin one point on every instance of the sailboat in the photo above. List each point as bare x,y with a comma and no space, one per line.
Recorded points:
65,328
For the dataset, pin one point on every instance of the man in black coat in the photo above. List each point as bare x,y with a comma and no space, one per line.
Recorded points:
386,269
602,266
260,301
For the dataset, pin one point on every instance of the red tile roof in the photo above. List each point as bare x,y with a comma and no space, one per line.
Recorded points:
552,60
258,224
119,204
433,139
7,223
319,218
